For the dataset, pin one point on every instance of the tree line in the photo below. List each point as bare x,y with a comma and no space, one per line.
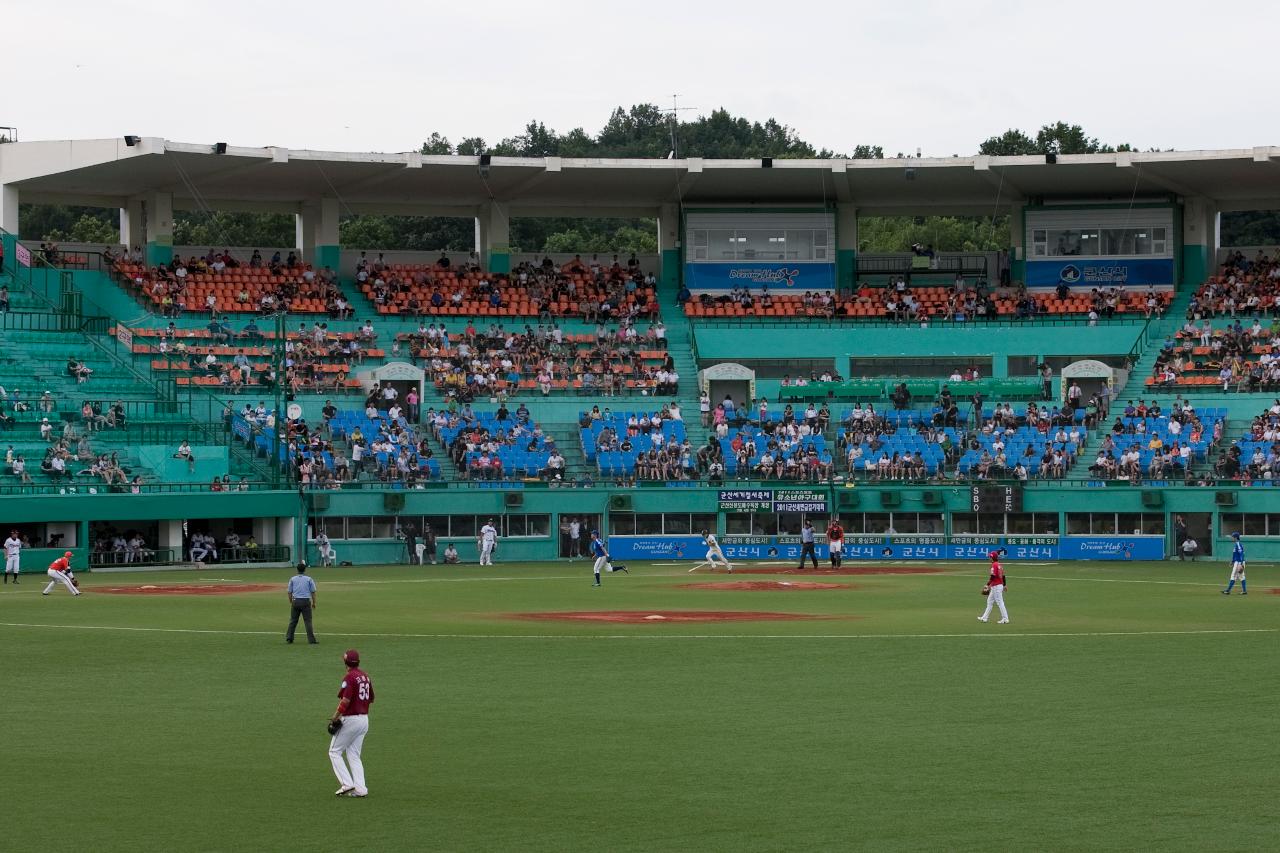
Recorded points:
643,131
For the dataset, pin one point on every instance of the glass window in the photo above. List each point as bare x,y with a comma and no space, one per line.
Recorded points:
1103,523
463,525
964,523
701,521
1129,523
1230,522
990,523
876,522
1153,523
1273,524
906,522
622,524
537,525
737,523
439,524
648,523
1255,524
930,522
513,525
789,523
676,523
1077,523
1045,522
764,524
1021,523
385,526
1073,241
359,527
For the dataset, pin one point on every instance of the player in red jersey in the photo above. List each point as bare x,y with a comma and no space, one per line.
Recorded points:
994,590
835,543
354,698
60,571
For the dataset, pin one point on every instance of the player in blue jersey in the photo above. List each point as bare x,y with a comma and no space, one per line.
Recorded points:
603,561
1237,567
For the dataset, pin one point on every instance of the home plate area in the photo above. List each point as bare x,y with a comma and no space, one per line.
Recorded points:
643,617
767,586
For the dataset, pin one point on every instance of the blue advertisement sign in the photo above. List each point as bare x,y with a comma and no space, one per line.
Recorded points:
1112,547
897,547
1100,272
780,277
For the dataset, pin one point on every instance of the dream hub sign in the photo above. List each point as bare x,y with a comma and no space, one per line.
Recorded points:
778,277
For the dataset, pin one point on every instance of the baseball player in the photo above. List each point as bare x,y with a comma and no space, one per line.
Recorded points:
349,725
60,571
487,542
994,590
603,560
328,556
12,556
835,543
1237,567
713,552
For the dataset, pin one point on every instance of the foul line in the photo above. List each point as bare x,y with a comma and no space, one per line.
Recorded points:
638,636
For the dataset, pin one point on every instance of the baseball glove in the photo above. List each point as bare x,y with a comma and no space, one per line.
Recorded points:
986,590
333,726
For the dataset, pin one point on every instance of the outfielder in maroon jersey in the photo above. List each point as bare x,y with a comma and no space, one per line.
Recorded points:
355,695
994,590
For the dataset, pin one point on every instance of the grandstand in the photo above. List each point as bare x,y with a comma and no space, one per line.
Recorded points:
349,394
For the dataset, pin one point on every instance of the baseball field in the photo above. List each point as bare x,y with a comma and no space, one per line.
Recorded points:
1125,707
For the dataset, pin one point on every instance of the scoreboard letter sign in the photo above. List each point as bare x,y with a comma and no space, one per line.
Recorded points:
996,499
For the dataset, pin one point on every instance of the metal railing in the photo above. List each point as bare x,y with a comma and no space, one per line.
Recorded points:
908,265
817,323
96,489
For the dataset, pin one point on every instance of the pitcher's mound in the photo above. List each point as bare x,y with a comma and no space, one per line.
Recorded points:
658,616
189,589
768,586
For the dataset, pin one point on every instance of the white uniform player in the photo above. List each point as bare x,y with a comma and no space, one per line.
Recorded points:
488,541
12,556
714,553
328,556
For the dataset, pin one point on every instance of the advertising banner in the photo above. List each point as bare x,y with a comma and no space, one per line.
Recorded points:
781,548
773,500
23,254
1100,272
780,277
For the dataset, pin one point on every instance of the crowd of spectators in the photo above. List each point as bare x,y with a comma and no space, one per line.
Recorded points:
498,361
1235,357
1242,286
478,445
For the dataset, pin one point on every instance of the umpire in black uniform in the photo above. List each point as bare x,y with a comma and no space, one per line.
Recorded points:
302,600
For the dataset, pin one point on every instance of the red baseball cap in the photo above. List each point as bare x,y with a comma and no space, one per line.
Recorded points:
351,657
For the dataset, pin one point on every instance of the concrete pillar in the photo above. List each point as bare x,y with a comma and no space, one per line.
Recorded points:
1017,246
133,231
669,242
1199,241
846,246
317,233
158,219
9,209
493,236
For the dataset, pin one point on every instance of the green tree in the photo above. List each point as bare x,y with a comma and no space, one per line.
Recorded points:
1057,138
366,232
437,144
1009,143
868,152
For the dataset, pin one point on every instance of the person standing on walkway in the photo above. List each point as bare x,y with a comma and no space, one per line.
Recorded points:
302,601
12,556
348,725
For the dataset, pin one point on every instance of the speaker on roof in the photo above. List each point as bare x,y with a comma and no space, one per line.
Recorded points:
130,140
931,497
620,503
1224,498
319,503
890,498
1151,498
220,148
486,159
1051,157
766,162
393,501
846,499
513,498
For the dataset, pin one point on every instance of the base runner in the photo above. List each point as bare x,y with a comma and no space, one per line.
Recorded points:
994,590
713,553
60,571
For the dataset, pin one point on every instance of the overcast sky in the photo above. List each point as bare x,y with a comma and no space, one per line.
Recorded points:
377,75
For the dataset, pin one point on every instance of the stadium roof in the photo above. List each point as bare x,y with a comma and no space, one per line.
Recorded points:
108,171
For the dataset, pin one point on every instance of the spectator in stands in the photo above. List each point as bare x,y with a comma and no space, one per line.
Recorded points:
185,453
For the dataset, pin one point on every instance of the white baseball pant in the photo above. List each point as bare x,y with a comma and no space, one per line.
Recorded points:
64,578
486,554
996,598
602,562
11,564
716,554
1237,571
348,742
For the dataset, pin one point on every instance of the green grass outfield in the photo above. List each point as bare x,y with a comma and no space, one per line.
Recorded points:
1127,707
